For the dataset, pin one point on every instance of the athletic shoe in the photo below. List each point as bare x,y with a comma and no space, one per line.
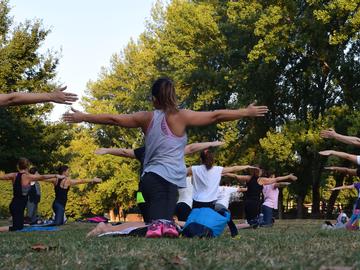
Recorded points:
169,229
155,230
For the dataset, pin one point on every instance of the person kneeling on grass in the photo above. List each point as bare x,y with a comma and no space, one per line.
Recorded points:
271,196
353,223
21,186
255,183
62,185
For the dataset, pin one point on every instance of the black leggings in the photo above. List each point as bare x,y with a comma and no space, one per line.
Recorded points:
160,195
17,208
252,210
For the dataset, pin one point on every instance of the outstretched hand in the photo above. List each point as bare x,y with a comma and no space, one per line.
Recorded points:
256,111
97,180
293,177
217,143
330,168
59,96
327,133
74,117
326,153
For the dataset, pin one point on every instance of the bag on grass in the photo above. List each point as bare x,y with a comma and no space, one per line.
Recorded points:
205,222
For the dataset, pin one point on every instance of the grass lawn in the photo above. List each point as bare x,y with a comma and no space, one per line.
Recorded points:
294,244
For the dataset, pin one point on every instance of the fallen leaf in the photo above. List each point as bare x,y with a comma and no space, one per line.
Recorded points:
42,247
178,260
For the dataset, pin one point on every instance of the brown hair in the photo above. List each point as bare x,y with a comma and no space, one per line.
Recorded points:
207,158
62,169
23,164
163,90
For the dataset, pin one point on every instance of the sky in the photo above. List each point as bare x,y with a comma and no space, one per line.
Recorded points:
86,32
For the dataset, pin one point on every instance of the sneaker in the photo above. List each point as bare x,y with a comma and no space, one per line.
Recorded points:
155,230
169,229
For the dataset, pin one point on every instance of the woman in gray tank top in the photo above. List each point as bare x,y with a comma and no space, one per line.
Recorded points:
165,140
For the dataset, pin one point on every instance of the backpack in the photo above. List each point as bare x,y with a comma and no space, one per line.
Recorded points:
205,222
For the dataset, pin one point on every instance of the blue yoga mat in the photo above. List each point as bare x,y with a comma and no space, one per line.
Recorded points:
39,229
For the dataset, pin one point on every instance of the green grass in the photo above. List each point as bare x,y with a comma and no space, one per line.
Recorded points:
295,244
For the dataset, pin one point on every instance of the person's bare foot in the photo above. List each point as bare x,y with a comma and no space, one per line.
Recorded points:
99,229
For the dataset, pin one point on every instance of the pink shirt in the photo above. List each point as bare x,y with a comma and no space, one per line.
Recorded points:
271,195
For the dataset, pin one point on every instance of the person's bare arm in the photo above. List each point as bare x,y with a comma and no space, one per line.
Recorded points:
8,177
197,147
272,180
43,177
344,170
193,118
281,184
188,171
343,187
134,120
57,96
242,178
84,181
332,134
238,168
121,152
343,155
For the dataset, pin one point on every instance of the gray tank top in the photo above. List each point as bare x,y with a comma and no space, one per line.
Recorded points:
164,151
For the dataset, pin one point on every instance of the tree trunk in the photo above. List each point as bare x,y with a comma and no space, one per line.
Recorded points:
280,204
315,209
331,203
300,206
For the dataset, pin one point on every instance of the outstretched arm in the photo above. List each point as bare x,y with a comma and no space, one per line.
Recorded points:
348,171
8,177
237,168
134,120
350,157
343,187
44,177
197,147
242,178
281,184
84,181
332,134
57,96
121,152
272,180
192,118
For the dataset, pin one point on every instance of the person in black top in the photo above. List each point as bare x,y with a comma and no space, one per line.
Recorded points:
62,185
254,183
139,154
21,186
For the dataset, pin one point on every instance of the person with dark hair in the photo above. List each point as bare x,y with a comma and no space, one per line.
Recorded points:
254,183
139,154
57,96
62,185
206,179
33,198
21,186
165,140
